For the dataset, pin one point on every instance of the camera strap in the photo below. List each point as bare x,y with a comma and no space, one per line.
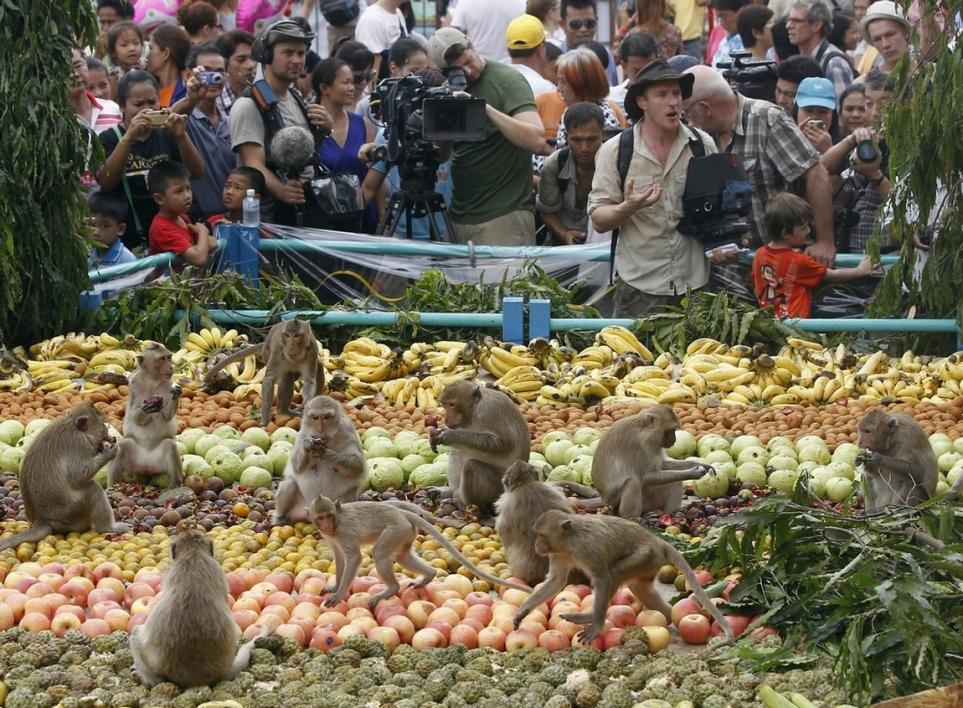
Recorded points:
123,179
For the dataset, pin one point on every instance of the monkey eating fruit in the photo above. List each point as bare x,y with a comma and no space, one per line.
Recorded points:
900,468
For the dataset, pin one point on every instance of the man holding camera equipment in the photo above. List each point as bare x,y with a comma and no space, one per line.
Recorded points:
271,104
775,153
492,178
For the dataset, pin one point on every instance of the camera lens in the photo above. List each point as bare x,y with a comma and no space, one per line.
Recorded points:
866,151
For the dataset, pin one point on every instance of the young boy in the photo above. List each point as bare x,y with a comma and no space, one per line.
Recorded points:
171,231
238,182
108,213
784,277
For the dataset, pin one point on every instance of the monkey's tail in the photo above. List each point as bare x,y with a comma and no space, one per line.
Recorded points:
573,488
239,355
440,537
426,515
679,561
35,533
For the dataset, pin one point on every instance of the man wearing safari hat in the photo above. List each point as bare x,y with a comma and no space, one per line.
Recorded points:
656,263
887,30
526,47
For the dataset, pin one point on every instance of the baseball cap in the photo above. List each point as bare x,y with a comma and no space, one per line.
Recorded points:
442,41
653,73
525,32
881,10
816,93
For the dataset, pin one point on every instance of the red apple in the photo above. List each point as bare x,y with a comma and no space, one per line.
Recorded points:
53,567
24,583
281,580
308,597
365,622
143,605
153,578
77,570
76,591
35,622
444,614
270,621
442,627
292,631
99,610
305,623
246,603
363,583
520,639
685,606
418,612
276,611
482,613
136,620
515,597
304,575
54,580
612,637
324,639
102,595
651,618
459,583
16,602
464,634
694,629
402,625
622,596
737,622
554,640
492,637
703,576
621,615
64,622
107,570
597,643
280,598
6,617
39,589
529,625
77,612
306,609
253,631
351,630
760,633
137,590
428,637
456,604
235,583
94,628
337,620
39,604
118,619
478,598
244,618
313,586
359,599
386,635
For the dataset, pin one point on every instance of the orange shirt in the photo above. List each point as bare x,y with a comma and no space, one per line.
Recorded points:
165,95
550,106
784,278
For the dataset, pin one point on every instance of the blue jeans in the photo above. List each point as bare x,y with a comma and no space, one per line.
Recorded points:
693,48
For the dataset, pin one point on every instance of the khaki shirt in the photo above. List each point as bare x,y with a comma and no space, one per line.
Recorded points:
651,255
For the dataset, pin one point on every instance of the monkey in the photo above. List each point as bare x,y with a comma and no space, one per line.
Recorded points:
327,460
630,470
524,500
391,530
150,423
611,551
487,433
191,637
57,478
900,467
290,350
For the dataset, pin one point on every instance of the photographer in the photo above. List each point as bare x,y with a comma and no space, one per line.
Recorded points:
281,49
492,178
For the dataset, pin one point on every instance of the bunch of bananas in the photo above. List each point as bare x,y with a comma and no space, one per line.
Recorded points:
498,359
372,362
206,342
622,341
416,392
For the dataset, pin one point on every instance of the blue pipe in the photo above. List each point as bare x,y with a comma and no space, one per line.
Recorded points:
370,318
809,325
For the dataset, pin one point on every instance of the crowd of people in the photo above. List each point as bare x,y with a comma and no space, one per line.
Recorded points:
583,141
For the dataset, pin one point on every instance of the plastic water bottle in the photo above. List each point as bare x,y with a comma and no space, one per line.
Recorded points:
252,209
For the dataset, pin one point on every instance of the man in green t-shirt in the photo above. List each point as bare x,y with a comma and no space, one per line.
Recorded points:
492,178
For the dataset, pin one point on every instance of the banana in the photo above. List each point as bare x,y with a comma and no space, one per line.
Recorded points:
771,391
552,394
195,342
107,341
738,398
250,369
592,391
362,345
700,345
784,399
797,343
621,340
121,357
512,359
871,364
677,394
665,362
446,346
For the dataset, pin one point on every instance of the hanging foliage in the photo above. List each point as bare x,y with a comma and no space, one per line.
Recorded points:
923,126
43,148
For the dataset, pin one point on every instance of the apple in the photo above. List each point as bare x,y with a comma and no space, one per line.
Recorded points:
54,580
135,620
621,616
76,590
684,446
418,612
94,628
402,626
520,639
269,621
465,635
783,480
143,605
532,626
779,441
255,630
760,633
107,570
742,442
493,638
64,622
815,453
325,639
6,617
478,598
717,457
948,460
554,640
838,488
39,604
337,620
708,443
137,590
656,638
277,611
16,602
694,629
443,627
77,612
428,638
752,472
612,637
98,595
685,606
481,613
386,635
292,631
35,622
117,618
244,618
737,622
651,618
444,614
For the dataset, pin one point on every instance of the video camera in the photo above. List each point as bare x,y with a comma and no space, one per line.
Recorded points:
753,78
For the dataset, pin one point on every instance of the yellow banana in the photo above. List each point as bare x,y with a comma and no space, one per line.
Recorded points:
621,340
797,343
700,345
677,394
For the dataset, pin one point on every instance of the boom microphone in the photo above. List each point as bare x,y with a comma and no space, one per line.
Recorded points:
292,149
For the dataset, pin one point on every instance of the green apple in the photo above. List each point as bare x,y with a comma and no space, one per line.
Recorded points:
783,480
742,442
257,436
684,446
555,451
585,435
839,488
755,453
752,472
710,442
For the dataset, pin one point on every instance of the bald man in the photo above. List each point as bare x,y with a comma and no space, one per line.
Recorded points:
775,152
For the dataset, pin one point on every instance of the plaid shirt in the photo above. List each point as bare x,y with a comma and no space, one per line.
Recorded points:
774,151
835,65
226,99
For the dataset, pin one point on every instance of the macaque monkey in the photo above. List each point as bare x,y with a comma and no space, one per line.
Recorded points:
57,478
487,433
390,530
327,460
190,638
150,423
630,470
611,551
900,468
290,350
524,500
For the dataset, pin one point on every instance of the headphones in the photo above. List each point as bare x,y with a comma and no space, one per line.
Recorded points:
262,51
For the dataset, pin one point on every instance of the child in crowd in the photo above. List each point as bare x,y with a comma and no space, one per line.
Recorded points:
108,212
98,81
783,275
171,231
238,182
126,44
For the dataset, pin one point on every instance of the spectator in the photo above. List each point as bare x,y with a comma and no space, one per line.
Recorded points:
816,113
98,82
363,72
859,12
208,129
381,24
879,92
379,171
108,215
580,22
580,78
769,142
650,17
754,24
789,74
281,50
727,12
226,14
566,177
656,263
171,230
635,52
235,47
486,22
782,275
887,30
549,70
110,12
526,46
235,189
200,20
166,60
809,24
126,47
133,146
547,12
852,109
335,87
690,18
492,178
845,33
97,114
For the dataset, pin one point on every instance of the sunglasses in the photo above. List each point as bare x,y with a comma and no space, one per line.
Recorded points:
576,25
363,78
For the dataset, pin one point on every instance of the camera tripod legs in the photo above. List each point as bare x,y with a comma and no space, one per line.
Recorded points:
408,205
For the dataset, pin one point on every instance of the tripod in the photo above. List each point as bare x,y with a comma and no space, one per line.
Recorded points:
416,204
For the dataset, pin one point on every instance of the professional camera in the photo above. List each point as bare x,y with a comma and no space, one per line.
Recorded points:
753,78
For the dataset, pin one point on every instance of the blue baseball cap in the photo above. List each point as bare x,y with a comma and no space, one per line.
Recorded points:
816,92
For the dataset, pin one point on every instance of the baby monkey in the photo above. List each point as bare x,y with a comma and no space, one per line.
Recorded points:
612,552
390,530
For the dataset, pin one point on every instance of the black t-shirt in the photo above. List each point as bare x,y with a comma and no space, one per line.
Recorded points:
160,145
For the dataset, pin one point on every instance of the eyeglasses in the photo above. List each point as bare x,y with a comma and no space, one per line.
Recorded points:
796,20
579,24
363,78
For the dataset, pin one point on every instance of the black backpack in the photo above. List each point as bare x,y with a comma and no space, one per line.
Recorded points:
340,12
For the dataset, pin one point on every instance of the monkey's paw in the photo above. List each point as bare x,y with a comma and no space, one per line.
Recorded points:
518,619
332,601
176,391
588,634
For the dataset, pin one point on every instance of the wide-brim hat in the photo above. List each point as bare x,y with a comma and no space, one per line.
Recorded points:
881,10
653,73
